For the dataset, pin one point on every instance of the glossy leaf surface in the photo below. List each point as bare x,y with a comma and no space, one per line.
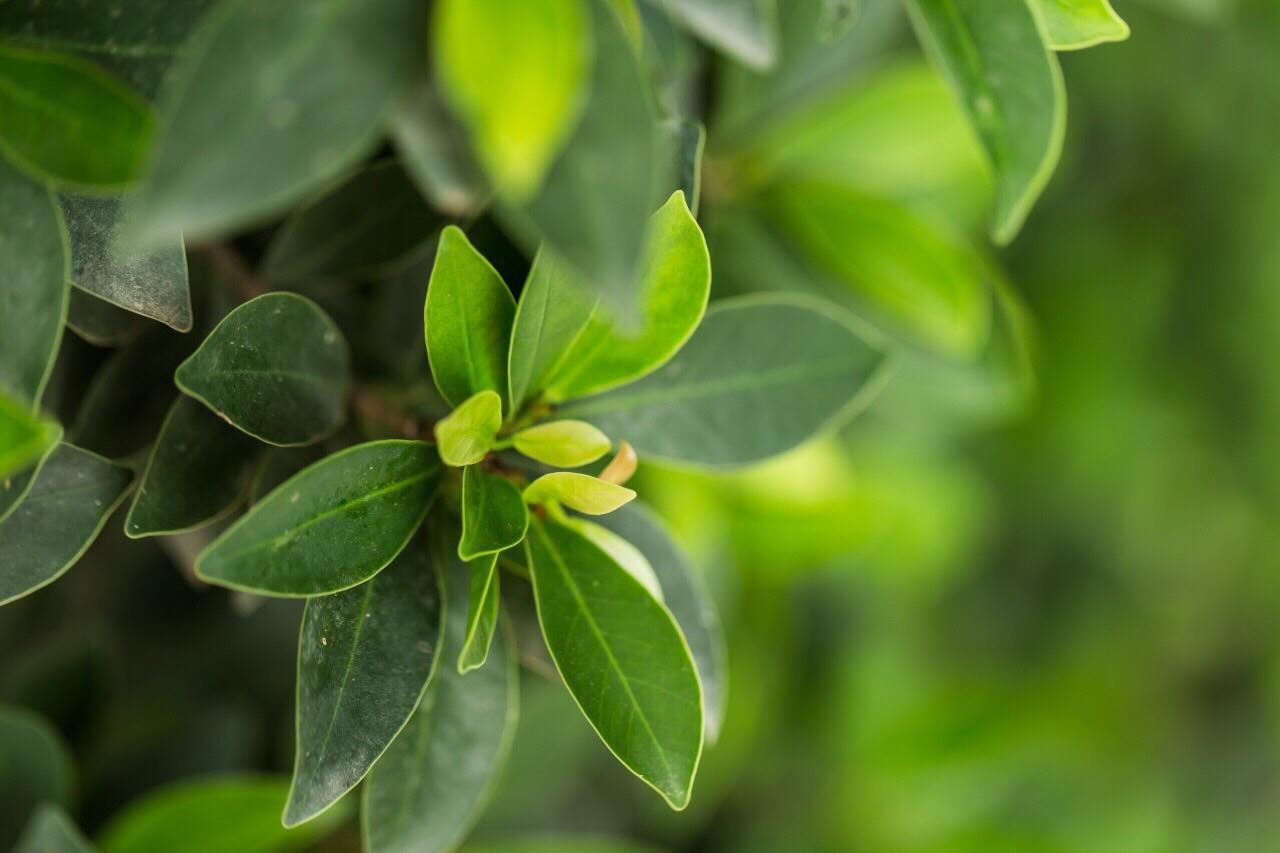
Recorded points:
564,444
467,434
1076,24
582,492
626,555
494,515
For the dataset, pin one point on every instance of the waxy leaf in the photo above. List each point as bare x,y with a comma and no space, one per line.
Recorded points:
34,265
70,499
494,515
51,831
23,437
621,657
997,63
276,367
761,375
152,283
623,553
372,222
66,122
435,153
516,74
330,527
240,813
37,769
582,492
747,30
364,657
1077,24
427,790
564,444
686,596
482,614
268,102
467,318
468,433
566,344
198,472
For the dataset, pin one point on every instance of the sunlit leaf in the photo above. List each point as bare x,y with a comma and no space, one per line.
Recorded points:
564,444
582,492
1076,24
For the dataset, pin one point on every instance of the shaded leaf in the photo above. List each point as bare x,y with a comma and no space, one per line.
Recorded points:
482,614
101,323
364,657
582,492
23,437
685,142
1076,24
276,367
546,843
51,831
37,769
564,443
434,152
330,527
468,433
744,29
494,515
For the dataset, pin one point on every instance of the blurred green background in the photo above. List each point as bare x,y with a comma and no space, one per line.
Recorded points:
1028,602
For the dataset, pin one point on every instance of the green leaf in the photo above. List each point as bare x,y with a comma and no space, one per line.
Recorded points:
240,813
620,551
468,433
582,492
73,494
621,657
686,140
564,444
747,30
51,831
151,283
993,55
34,265
566,344
372,222
65,122
467,321
494,515
909,272
364,657
435,153
482,614
516,74
269,102
686,596
198,473
276,367
1077,24
761,375
428,789
547,843
332,526
23,437
101,323
596,199
37,769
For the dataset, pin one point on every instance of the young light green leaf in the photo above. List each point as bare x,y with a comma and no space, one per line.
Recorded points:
1077,24
240,813
621,656
300,117
37,769
276,367
564,444
198,472
429,787
364,657
621,551
494,515
373,221
468,433
582,492
66,505
482,614
51,831
516,74
152,283
435,153
565,343
101,323
23,437
800,360
996,61
747,30
332,526
686,596
65,122
34,266
467,320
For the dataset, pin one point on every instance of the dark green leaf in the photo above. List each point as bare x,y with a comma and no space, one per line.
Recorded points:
276,367
36,769
334,525
373,221
686,139
429,787
545,843
467,318
101,323
269,102
198,473
51,831
744,29
482,614
494,515
66,122
23,437
992,53
761,375
621,656
364,657
435,152
34,265
73,494
1076,24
